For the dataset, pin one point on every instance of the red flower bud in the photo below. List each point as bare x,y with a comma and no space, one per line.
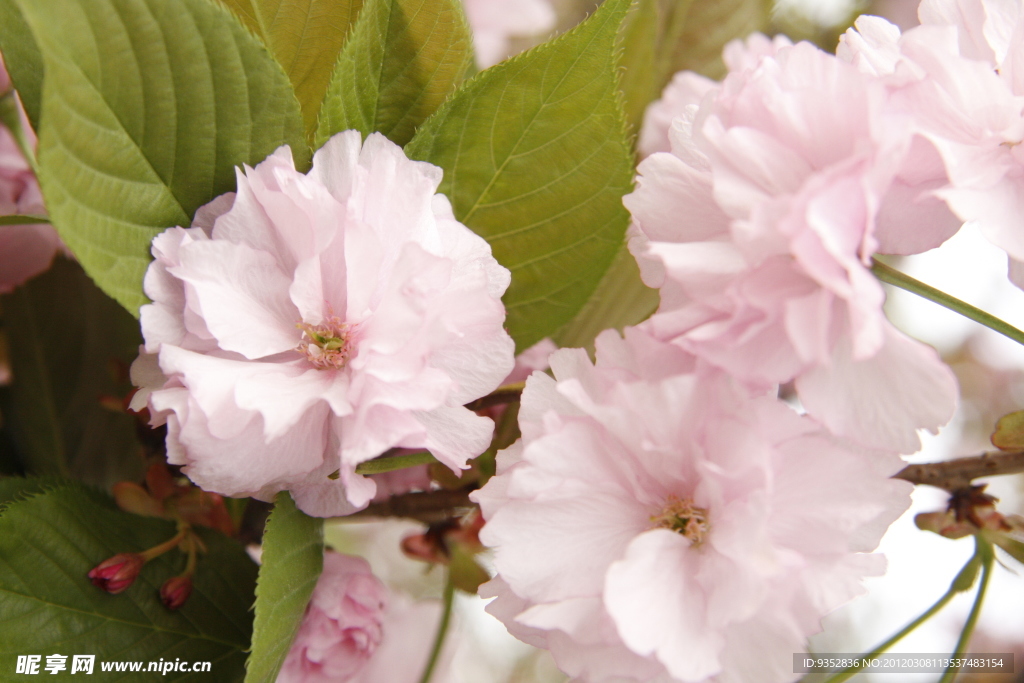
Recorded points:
175,591
115,574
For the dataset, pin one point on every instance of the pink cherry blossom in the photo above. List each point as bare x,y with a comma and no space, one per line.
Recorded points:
758,228
356,631
313,322
496,22
343,625
959,77
687,89
25,250
657,523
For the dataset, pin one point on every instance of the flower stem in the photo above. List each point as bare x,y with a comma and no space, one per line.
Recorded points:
963,581
169,544
904,281
987,557
390,463
442,629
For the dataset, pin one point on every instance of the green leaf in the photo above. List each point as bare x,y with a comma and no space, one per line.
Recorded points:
403,59
49,542
293,557
536,160
1009,433
22,58
621,299
70,345
306,37
149,106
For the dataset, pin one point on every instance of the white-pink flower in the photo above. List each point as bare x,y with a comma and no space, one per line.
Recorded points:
687,89
758,227
25,250
496,22
343,625
657,523
312,322
959,77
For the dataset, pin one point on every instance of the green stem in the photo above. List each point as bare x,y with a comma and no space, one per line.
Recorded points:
442,629
988,556
963,581
10,117
23,220
904,281
390,463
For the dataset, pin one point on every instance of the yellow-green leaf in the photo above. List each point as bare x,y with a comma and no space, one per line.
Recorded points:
403,59
536,161
306,37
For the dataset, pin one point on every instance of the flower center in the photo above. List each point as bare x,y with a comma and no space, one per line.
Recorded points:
327,346
683,517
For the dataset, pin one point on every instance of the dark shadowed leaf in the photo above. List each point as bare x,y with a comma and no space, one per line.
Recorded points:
71,346
50,541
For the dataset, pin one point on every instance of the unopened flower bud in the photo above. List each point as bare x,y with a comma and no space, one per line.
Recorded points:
115,574
175,591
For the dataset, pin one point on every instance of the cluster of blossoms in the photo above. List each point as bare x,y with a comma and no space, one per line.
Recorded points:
665,516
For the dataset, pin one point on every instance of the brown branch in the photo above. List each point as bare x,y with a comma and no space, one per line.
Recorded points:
425,506
509,393
956,475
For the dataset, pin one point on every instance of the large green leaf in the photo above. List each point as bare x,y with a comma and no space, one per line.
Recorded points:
293,557
403,59
70,345
49,542
149,106
536,160
22,58
305,36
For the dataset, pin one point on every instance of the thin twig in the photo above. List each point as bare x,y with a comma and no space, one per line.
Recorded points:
956,475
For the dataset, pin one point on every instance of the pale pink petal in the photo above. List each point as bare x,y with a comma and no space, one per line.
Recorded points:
882,401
